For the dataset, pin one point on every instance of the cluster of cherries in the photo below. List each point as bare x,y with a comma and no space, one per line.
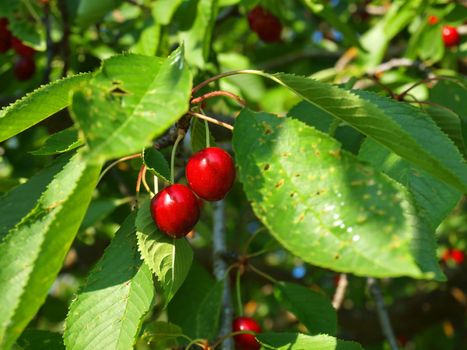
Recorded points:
210,174
24,66
265,24
451,36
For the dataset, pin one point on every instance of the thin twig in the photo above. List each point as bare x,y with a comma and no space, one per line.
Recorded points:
340,291
220,268
133,156
382,313
216,93
211,120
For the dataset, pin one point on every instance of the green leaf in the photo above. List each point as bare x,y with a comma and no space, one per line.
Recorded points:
108,311
434,198
311,308
404,129
149,38
90,11
163,10
168,258
297,341
198,136
209,313
32,252
156,163
162,335
21,200
132,100
198,38
335,211
34,339
99,209
60,142
37,105
187,301
331,17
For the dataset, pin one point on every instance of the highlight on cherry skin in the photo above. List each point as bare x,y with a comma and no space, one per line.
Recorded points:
246,341
210,173
451,36
175,210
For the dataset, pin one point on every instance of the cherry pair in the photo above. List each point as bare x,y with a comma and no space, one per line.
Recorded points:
210,174
450,34
24,66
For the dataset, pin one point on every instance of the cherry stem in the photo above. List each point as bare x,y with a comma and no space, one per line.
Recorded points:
217,93
206,128
223,75
212,120
156,184
199,342
239,294
172,157
143,178
233,334
340,291
262,274
424,81
106,170
138,181
251,238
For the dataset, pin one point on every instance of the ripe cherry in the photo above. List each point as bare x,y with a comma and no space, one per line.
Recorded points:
458,256
21,49
175,210
265,24
451,36
5,36
210,173
432,20
24,68
246,341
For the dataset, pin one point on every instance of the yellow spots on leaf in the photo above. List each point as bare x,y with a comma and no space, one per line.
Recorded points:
335,153
279,183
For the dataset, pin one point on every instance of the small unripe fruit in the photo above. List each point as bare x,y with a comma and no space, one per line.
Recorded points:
246,341
265,24
451,36
432,20
211,173
24,68
5,36
21,49
175,210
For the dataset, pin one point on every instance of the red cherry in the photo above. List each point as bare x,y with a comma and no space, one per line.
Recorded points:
22,49
246,341
458,256
451,36
5,36
265,24
24,68
175,210
210,173
432,20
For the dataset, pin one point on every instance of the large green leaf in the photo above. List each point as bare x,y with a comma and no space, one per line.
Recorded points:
434,198
404,129
198,38
38,105
335,211
108,311
90,11
32,252
168,258
132,100
17,203
311,308
297,341
163,10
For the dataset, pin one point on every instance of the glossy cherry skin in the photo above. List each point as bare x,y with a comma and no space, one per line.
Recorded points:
265,24
21,49
210,173
246,341
24,68
5,36
451,36
175,210
458,256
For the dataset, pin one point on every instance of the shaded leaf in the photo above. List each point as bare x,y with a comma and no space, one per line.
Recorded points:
162,335
198,136
156,163
34,339
60,142
297,341
209,313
